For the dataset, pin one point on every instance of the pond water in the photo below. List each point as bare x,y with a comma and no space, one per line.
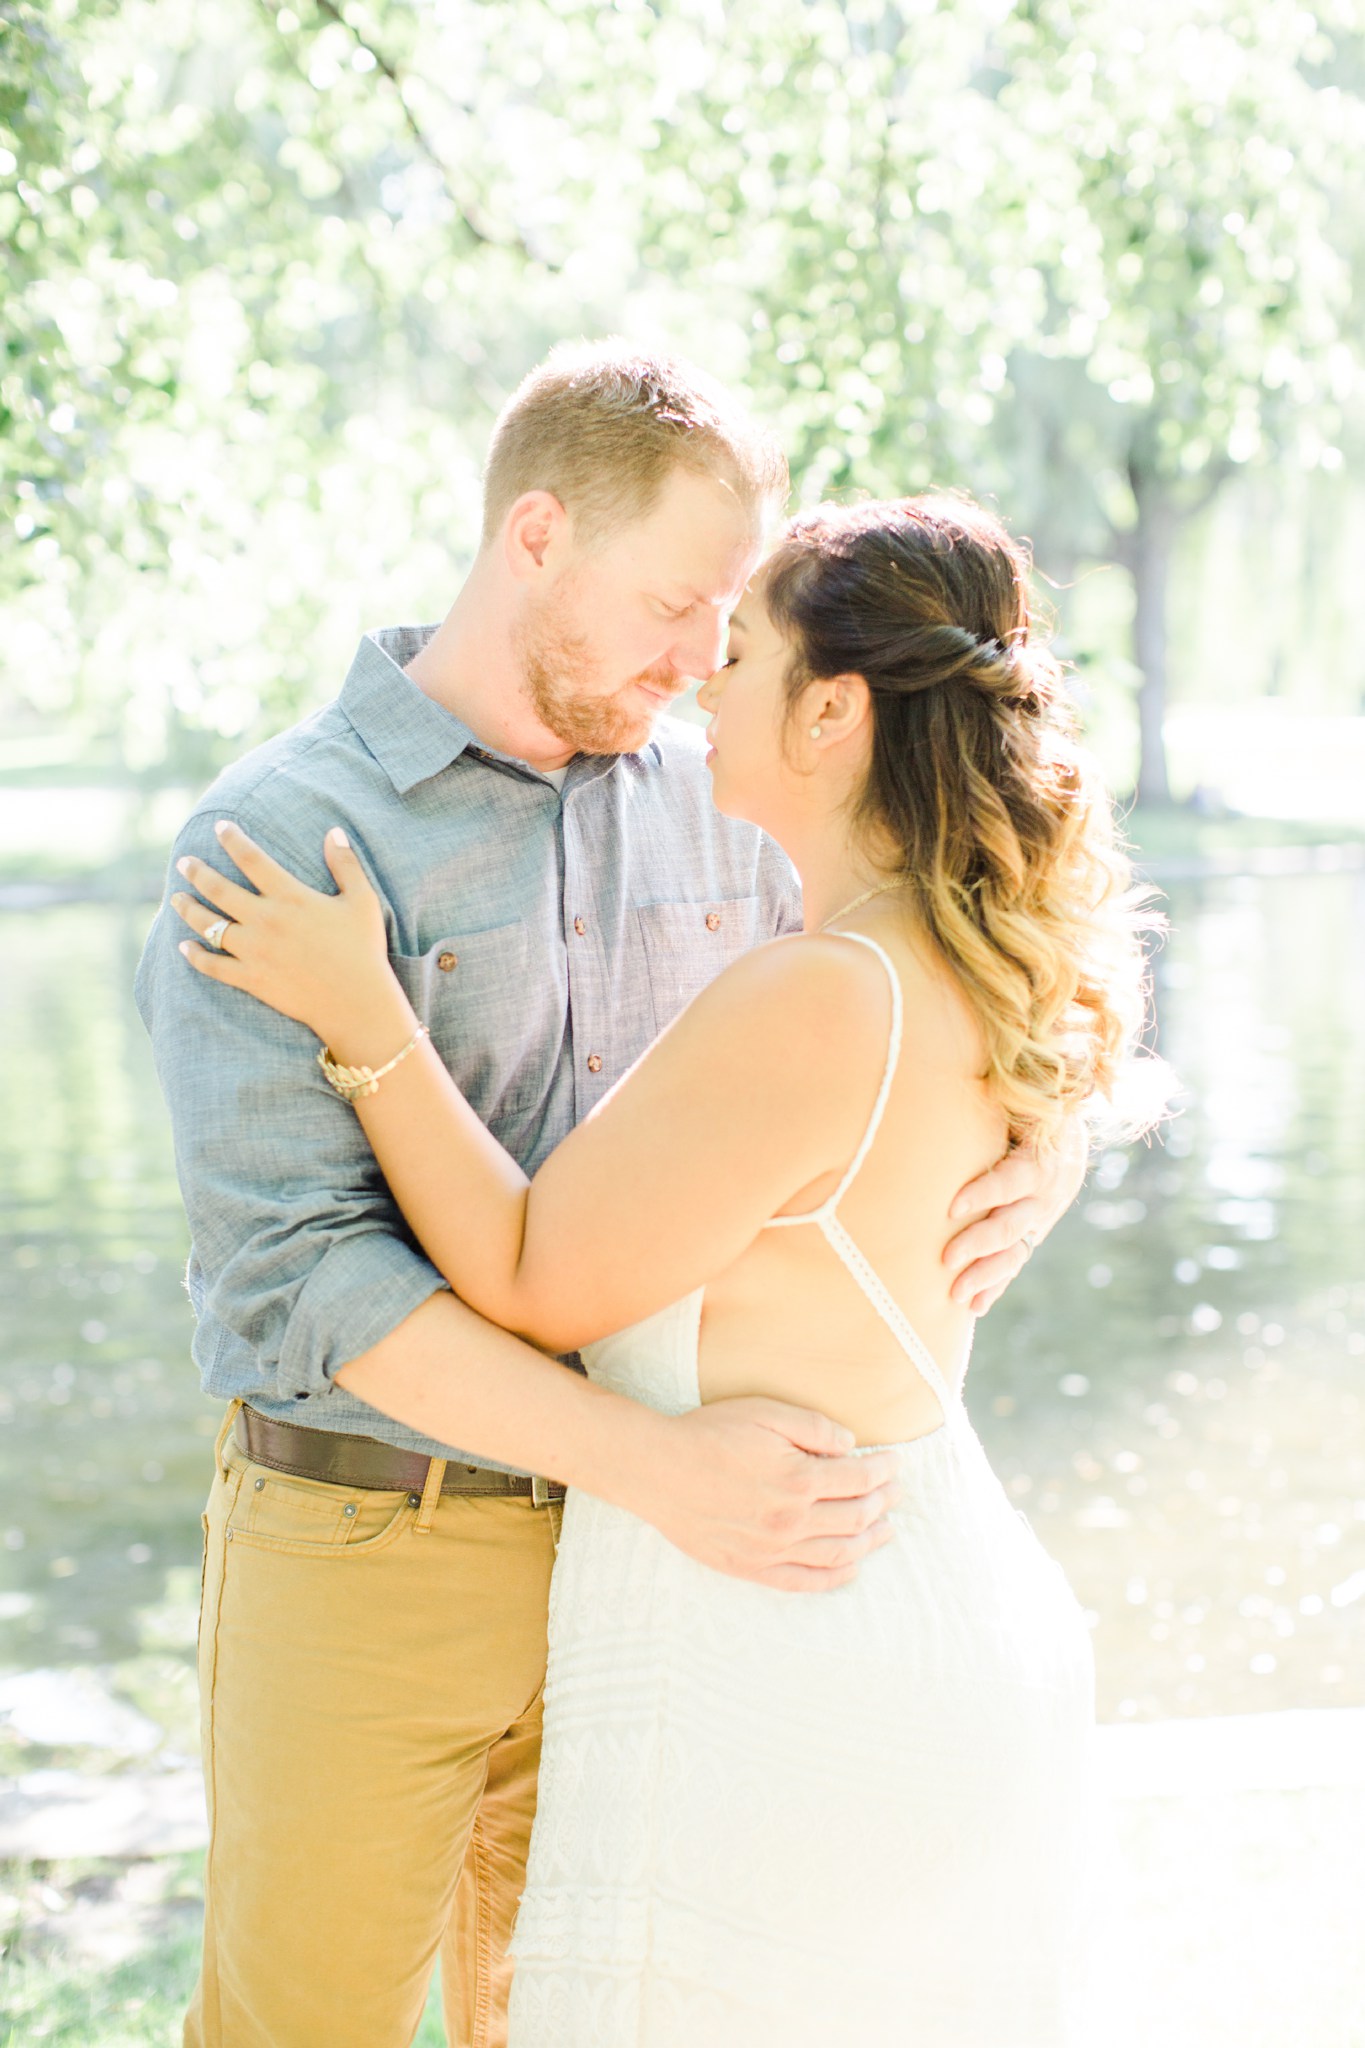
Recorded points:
1172,1392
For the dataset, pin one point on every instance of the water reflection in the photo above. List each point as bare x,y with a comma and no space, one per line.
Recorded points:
1172,1393
102,1427
1201,1316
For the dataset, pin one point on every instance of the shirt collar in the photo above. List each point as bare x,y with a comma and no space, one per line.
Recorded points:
410,735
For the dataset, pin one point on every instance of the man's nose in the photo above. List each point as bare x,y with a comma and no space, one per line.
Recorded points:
702,649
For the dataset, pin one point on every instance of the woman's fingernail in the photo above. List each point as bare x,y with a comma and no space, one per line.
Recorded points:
183,947
338,837
221,827
182,867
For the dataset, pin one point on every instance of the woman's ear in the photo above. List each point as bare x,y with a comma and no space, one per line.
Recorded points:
836,708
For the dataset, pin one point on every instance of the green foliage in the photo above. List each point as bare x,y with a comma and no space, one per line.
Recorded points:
269,271
1088,262
249,338
1198,284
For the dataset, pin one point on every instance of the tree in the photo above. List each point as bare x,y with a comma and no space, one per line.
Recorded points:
250,313
828,176
1094,265
272,267
1199,295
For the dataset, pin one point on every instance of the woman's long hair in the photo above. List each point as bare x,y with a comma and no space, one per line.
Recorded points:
1002,825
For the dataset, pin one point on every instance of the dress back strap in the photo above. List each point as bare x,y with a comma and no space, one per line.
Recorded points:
867,1279
893,1053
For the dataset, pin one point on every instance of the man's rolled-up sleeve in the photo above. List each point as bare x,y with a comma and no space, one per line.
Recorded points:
303,1254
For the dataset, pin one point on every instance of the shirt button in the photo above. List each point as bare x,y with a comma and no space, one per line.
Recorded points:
594,1062
445,961
713,920
579,926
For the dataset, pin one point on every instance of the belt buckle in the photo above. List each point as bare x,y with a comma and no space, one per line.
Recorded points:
540,1492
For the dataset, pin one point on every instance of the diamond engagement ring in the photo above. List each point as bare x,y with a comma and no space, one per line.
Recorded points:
216,932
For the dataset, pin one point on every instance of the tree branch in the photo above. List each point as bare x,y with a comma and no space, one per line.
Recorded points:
472,218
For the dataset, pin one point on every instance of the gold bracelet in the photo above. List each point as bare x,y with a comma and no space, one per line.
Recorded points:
351,1082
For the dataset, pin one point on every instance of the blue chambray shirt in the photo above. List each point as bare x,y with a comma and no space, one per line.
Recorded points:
545,938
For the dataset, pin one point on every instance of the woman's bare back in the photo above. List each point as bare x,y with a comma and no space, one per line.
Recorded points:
786,1318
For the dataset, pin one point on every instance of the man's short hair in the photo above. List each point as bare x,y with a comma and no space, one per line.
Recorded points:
602,425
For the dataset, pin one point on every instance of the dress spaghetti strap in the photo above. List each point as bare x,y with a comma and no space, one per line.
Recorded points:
826,1216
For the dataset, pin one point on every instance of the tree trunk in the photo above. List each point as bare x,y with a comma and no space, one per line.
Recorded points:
1149,558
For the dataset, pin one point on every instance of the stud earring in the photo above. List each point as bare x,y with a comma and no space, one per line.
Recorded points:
815,732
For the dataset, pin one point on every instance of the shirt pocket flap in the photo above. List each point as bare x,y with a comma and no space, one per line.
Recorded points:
686,945
464,988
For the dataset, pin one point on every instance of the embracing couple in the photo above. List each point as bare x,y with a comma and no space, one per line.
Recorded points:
509,1026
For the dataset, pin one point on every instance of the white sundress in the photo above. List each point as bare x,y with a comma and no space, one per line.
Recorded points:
777,1820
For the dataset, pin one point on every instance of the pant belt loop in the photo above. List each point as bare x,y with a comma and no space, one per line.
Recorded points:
431,1497
225,1432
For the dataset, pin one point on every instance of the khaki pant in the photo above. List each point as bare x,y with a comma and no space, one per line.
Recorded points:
370,1676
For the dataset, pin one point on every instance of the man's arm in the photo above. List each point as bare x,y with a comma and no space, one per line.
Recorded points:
1025,1198
733,1484
304,1255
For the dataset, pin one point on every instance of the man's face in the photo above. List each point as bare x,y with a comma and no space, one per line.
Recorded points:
626,626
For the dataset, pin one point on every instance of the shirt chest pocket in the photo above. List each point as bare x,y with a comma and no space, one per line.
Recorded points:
476,995
686,945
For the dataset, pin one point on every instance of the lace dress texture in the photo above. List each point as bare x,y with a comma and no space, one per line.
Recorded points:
776,1820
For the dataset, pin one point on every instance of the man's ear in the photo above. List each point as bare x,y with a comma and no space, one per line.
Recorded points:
536,530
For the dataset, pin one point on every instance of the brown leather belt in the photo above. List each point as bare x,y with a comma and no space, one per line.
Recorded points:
365,1464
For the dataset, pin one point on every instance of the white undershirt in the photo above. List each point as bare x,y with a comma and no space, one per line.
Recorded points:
555,775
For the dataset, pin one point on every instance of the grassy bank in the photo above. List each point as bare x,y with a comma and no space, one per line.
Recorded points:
103,1954
1175,838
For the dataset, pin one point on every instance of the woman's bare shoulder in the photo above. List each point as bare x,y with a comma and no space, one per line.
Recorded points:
802,998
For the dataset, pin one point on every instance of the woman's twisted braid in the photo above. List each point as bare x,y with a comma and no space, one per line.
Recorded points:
999,817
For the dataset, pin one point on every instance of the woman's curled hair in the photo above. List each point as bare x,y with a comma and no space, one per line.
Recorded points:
998,817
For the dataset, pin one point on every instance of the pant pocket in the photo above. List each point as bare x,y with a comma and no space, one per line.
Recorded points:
291,1510
311,1518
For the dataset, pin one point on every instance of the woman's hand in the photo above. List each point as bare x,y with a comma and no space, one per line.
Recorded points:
320,959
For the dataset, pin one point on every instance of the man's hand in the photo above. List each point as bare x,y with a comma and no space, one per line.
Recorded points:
767,1492
1022,1199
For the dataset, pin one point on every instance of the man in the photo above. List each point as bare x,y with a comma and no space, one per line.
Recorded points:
557,885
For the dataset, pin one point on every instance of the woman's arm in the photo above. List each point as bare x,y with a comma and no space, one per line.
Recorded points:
761,1086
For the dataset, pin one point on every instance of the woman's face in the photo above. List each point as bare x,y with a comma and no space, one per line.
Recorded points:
751,775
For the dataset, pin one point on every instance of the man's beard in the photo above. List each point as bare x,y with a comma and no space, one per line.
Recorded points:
560,673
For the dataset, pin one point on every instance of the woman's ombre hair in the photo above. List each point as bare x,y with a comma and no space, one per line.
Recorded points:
997,815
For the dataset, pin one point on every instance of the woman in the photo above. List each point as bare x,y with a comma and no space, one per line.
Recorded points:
765,1818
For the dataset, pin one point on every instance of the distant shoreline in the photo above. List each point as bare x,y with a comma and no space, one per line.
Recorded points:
1321,857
